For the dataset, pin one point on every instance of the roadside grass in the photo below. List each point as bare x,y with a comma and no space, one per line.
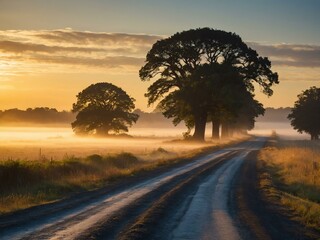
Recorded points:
26,183
290,172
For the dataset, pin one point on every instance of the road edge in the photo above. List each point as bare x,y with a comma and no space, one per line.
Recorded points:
261,215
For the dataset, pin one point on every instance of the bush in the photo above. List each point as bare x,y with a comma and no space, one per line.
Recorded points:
95,158
123,160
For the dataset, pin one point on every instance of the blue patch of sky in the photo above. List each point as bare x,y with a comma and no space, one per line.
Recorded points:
292,21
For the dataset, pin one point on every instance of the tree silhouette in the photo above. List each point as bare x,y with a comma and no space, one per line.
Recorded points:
228,99
182,65
101,108
305,115
243,118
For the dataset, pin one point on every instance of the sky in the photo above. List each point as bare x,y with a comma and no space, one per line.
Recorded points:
51,50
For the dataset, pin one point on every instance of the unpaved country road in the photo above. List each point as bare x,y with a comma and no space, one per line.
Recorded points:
191,201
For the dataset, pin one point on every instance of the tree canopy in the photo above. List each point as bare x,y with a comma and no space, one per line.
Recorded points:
305,115
201,71
102,108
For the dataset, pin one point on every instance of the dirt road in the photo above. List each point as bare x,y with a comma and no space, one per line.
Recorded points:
192,201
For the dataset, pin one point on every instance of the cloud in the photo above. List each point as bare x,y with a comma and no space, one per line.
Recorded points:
111,50
20,47
295,55
109,62
77,37
68,40
68,47
298,74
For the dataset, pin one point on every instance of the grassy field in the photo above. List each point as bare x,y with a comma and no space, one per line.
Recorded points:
28,182
291,172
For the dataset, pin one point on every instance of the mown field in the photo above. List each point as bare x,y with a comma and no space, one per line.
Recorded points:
290,172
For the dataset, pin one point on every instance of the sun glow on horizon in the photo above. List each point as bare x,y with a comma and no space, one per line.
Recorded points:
36,62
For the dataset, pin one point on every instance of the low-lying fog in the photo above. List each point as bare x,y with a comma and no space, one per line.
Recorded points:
57,143
283,129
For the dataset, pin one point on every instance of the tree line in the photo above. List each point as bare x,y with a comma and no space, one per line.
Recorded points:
39,115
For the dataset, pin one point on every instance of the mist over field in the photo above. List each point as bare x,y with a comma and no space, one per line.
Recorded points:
283,130
34,143
151,132
276,120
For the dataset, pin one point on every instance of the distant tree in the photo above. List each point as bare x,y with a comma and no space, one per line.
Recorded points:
38,115
103,108
305,115
245,116
180,66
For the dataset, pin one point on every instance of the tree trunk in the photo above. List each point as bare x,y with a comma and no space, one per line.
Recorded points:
215,129
224,130
243,131
230,130
102,131
314,137
200,126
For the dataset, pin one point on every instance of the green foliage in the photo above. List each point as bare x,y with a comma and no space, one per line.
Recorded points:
305,116
203,71
101,108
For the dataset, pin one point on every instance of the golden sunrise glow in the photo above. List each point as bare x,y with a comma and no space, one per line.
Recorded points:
62,62
34,63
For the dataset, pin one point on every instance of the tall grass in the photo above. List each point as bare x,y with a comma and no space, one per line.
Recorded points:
294,169
27,183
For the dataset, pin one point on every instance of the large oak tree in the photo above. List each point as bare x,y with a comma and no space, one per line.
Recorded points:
182,67
103,108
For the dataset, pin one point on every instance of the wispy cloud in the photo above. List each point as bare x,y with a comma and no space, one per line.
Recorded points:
109,62
68,47
99,50
293,55
21,47
77,37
